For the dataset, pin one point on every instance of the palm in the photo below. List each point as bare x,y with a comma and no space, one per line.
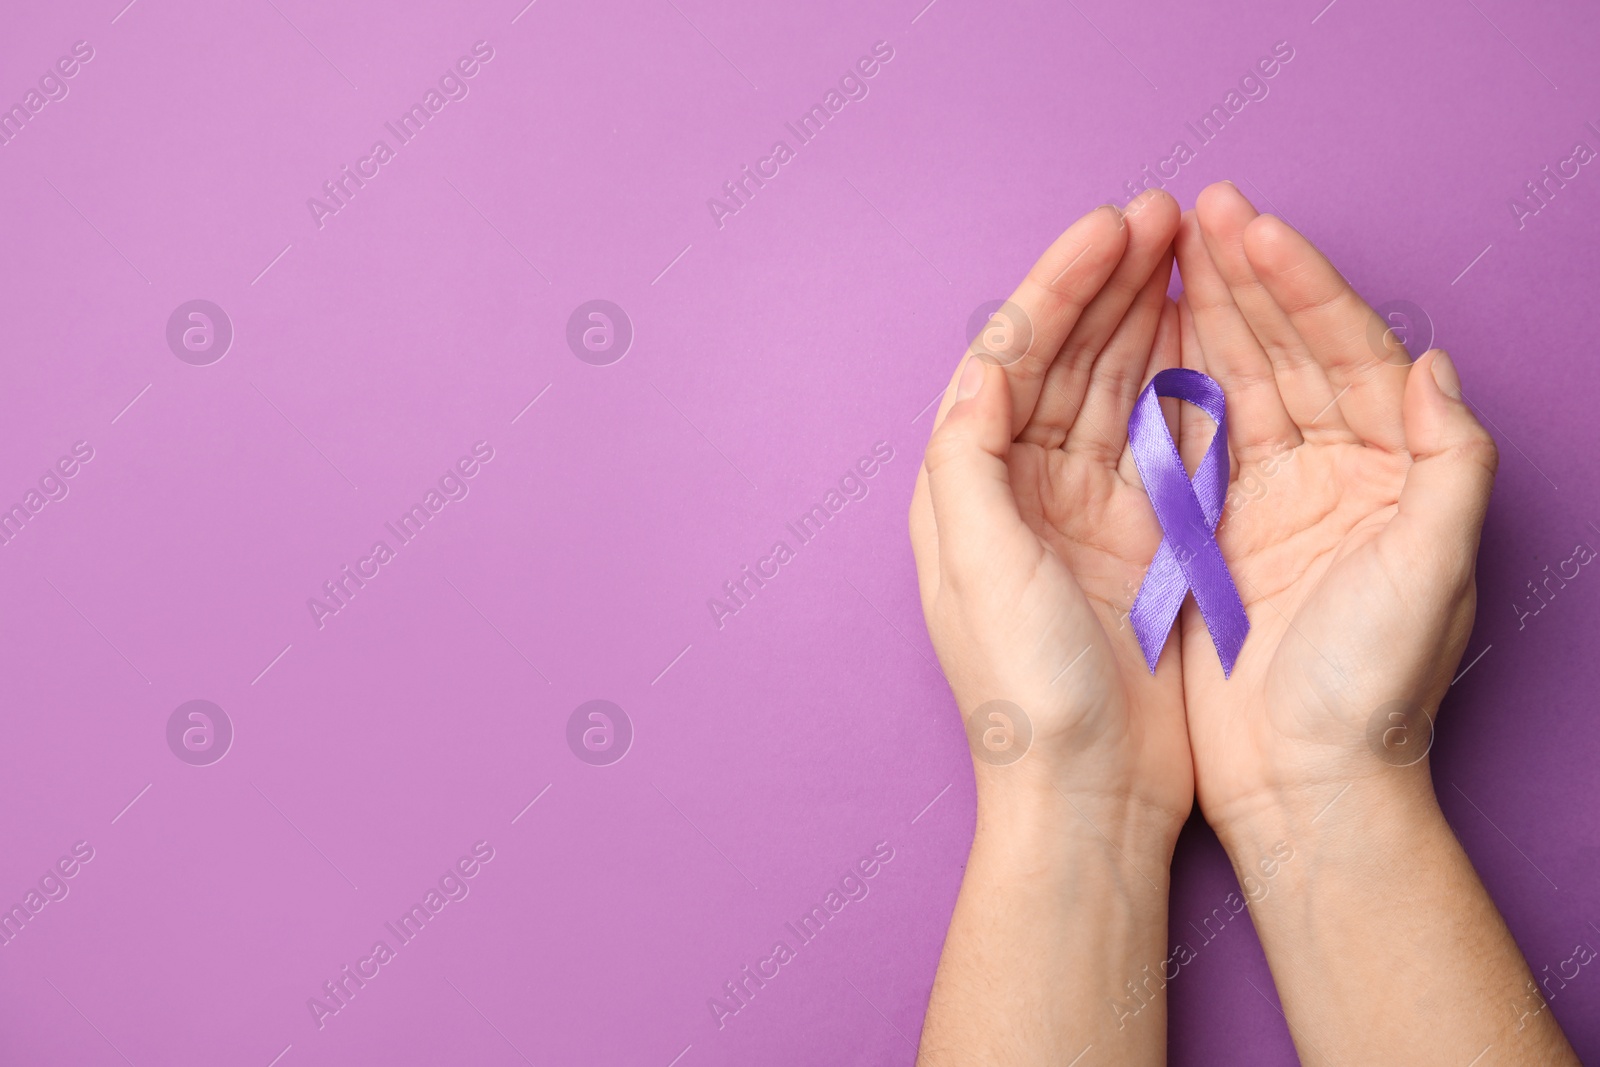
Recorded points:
1307,559
1099,526
1055,530
1356,602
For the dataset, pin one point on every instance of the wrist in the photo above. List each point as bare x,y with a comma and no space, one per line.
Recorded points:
1029,813
1359,820
1382,941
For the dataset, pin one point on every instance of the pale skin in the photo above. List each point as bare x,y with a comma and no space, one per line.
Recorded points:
1353,552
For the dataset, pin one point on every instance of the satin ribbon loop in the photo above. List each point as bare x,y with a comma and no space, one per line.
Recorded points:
1188,559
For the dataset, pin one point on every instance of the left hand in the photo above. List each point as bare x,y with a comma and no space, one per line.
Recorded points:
1356,565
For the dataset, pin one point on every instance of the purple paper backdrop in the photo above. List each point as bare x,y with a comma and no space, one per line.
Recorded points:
380,338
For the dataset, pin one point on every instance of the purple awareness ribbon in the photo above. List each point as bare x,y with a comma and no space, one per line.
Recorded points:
1188,510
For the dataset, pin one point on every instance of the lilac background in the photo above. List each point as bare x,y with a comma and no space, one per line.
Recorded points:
769,356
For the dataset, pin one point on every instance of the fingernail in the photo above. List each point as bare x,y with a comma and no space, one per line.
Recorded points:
1444,372
1115,210
971,379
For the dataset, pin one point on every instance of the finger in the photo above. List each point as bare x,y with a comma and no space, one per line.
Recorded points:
1366,364
924,539
1024,336
969,483
1223,213
1100,430
1164,353
1150,221
924,531
1190,354
1195,428
1447,488
1257,420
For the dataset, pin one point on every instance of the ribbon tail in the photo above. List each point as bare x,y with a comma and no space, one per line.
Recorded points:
1156,605
1220,606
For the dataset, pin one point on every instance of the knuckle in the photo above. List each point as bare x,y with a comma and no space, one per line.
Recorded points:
1479,449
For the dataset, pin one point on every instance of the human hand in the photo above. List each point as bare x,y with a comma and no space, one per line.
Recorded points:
1356,563
1031,532
1031,528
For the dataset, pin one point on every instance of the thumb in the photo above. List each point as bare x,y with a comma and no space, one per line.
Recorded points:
973,505
1453,463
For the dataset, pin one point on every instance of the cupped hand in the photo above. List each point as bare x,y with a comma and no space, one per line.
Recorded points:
1351,527
1032,531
